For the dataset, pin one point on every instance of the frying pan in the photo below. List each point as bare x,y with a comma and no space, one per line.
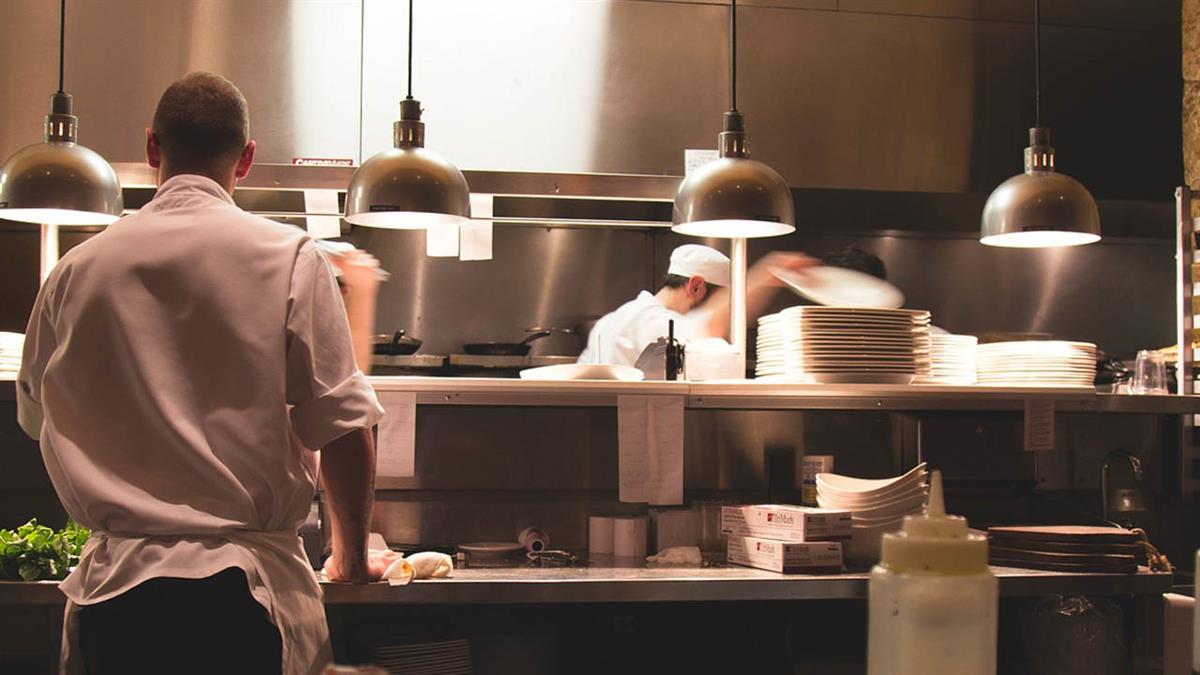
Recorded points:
507,348
397,344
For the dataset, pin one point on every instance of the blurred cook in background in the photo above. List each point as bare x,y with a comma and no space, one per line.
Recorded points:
854,258
358,274
694,294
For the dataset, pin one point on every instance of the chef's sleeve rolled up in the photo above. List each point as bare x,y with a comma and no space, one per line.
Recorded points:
40,343
329,395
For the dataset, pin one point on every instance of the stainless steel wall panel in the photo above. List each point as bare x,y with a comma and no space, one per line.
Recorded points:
505,85
28,36
1161,15
930,104
539,276
297,63
923,95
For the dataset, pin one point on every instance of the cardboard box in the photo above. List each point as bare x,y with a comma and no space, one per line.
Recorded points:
786,522
810,466
787,557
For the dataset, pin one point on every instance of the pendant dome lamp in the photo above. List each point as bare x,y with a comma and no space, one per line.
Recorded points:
408,187
1039,208
734,196
58,181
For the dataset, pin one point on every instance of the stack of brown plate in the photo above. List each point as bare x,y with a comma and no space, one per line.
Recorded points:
1066,548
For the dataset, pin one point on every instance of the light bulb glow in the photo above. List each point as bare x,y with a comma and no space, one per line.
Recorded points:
733,228
406,220
66,217
1040,239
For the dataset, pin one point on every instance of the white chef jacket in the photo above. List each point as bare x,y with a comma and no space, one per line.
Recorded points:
620,336
176,367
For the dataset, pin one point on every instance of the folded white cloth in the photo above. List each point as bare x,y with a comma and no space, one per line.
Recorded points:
431,564
676,555
399,573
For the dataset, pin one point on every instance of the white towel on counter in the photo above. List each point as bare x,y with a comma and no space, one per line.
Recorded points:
676,555
431,564
423,565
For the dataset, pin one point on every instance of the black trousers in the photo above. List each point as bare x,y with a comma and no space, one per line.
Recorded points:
181,626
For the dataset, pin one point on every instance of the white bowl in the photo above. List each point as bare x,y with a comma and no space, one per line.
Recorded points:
847,486
893,509
860,503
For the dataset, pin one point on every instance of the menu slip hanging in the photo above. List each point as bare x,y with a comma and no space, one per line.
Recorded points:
1039,425
396,447
650,458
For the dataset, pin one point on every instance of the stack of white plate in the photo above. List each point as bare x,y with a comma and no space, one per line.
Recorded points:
1048,363
875,506
11,345
844,345
442,658
952,359
769,347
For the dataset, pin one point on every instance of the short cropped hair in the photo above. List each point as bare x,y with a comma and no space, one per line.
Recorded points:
856,259
202,123
679,281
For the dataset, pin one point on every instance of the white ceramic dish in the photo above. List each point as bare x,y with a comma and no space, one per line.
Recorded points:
849,485
811,310
912,503
856,378
905,493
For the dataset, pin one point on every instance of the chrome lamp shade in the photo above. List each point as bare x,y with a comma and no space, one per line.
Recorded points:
734,196
59,182
1040,208
408,187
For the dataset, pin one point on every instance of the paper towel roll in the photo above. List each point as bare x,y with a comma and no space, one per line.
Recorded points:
534,539
629,537
600,535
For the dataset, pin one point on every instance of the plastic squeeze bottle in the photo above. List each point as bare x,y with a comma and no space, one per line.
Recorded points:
933,600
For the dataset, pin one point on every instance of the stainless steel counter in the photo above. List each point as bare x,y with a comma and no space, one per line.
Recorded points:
633,585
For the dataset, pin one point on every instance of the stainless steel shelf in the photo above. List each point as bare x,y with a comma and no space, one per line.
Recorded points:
633,585
752,395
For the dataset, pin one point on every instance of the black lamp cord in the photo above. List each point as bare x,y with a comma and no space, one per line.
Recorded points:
1037,62
410,48
733,55
62,41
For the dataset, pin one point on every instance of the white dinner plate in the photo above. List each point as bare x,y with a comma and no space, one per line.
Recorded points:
809,322
811,310
858,378
840,286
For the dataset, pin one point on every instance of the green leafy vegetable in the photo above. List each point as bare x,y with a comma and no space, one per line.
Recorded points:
33,552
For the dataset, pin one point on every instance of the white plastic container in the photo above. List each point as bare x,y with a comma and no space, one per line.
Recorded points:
933,600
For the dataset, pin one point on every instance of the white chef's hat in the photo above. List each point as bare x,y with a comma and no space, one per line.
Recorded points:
692,259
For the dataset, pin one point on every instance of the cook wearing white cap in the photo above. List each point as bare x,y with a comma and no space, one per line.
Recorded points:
694,295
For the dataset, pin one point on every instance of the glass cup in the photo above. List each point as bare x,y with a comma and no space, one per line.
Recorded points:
712,539
1149,373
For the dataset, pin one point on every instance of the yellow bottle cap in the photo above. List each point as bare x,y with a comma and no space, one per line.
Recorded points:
934,542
